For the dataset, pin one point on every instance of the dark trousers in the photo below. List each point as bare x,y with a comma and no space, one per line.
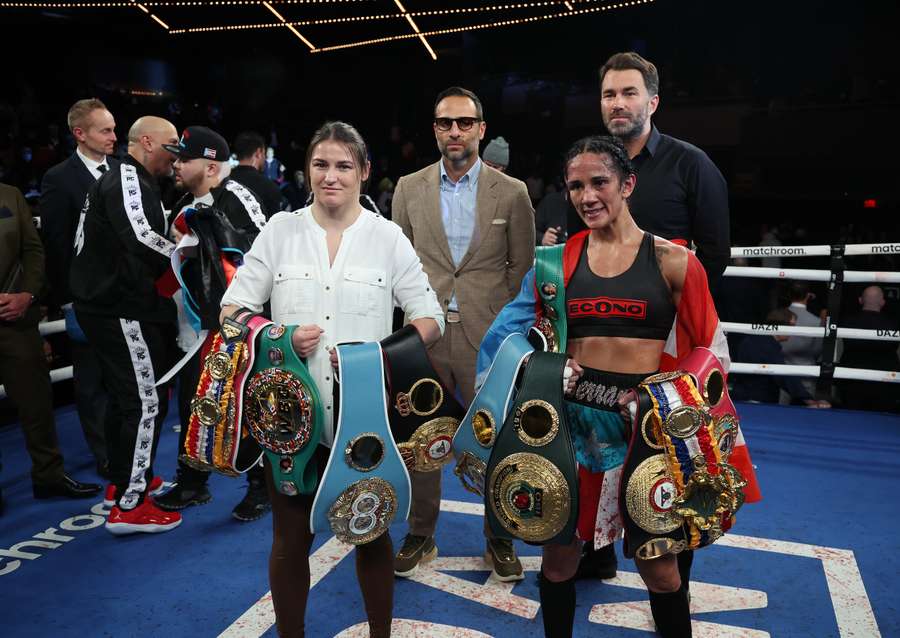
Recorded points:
133,355
454,359
24,372
188,378
90,398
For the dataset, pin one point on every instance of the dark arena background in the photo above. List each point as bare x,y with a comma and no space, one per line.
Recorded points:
795,102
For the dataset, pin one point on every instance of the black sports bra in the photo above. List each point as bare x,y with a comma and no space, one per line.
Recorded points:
637,303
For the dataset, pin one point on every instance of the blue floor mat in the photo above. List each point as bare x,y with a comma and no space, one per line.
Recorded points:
817,558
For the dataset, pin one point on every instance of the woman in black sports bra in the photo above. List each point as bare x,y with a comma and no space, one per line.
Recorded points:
620,308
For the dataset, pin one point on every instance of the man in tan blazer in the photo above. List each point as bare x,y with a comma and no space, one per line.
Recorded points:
473,229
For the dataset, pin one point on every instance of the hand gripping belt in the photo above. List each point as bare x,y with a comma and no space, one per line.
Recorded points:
284,411
678,490
365,485
215,440
423,414
478,431
532,487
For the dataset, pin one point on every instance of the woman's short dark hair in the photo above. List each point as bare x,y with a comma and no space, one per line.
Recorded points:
602,145
345,134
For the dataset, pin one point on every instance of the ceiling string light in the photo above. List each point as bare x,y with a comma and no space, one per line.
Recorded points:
566,8
485,25
162,3
383,16
415,28
143,8
289,26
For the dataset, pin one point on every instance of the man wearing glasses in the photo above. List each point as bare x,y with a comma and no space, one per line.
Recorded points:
473,229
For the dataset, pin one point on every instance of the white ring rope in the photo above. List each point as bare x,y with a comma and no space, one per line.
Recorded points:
821,250
860,374
808,331
850,276
813,251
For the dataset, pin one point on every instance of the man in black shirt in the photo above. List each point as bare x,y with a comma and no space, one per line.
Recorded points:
680,194
250,149
869,353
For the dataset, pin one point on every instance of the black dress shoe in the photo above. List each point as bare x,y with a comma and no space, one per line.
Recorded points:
66,486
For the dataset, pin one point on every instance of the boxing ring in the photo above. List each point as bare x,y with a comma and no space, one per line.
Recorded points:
836,276
817,557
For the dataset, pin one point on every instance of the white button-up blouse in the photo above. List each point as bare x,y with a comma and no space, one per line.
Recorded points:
375,268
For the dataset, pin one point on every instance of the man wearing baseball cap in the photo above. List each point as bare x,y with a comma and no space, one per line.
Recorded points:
201,154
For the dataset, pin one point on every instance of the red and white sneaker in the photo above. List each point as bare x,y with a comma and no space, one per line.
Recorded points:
157,485
146,518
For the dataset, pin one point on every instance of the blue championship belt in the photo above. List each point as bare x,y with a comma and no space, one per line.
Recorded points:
283,411
424,415
365,485
478,431
532,486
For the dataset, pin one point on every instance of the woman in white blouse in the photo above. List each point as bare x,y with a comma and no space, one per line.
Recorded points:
335,270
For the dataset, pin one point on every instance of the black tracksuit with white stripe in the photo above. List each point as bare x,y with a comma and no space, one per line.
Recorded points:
121,249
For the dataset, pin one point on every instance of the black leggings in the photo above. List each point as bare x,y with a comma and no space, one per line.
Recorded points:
289,564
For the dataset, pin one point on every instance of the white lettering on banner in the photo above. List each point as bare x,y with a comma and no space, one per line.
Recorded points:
50,538
773,251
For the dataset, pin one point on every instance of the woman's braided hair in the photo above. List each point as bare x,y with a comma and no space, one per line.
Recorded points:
602,145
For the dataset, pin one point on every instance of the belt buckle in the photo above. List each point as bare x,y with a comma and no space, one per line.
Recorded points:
453,316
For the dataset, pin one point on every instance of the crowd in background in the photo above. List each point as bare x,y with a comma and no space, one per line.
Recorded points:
31,143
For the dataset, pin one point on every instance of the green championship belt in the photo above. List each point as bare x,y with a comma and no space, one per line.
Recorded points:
551,290
284,411
532,486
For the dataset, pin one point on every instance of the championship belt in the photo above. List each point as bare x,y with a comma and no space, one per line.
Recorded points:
284,411
551,290
678,490
215,440
478,431
365,485
424,415
532,489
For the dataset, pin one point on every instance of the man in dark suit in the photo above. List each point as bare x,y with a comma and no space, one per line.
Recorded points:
63,193
23,368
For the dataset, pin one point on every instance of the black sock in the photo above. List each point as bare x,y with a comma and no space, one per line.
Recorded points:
557,607
671,613
685,560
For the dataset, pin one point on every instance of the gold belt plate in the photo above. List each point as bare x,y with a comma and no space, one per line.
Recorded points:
530,497
650,497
